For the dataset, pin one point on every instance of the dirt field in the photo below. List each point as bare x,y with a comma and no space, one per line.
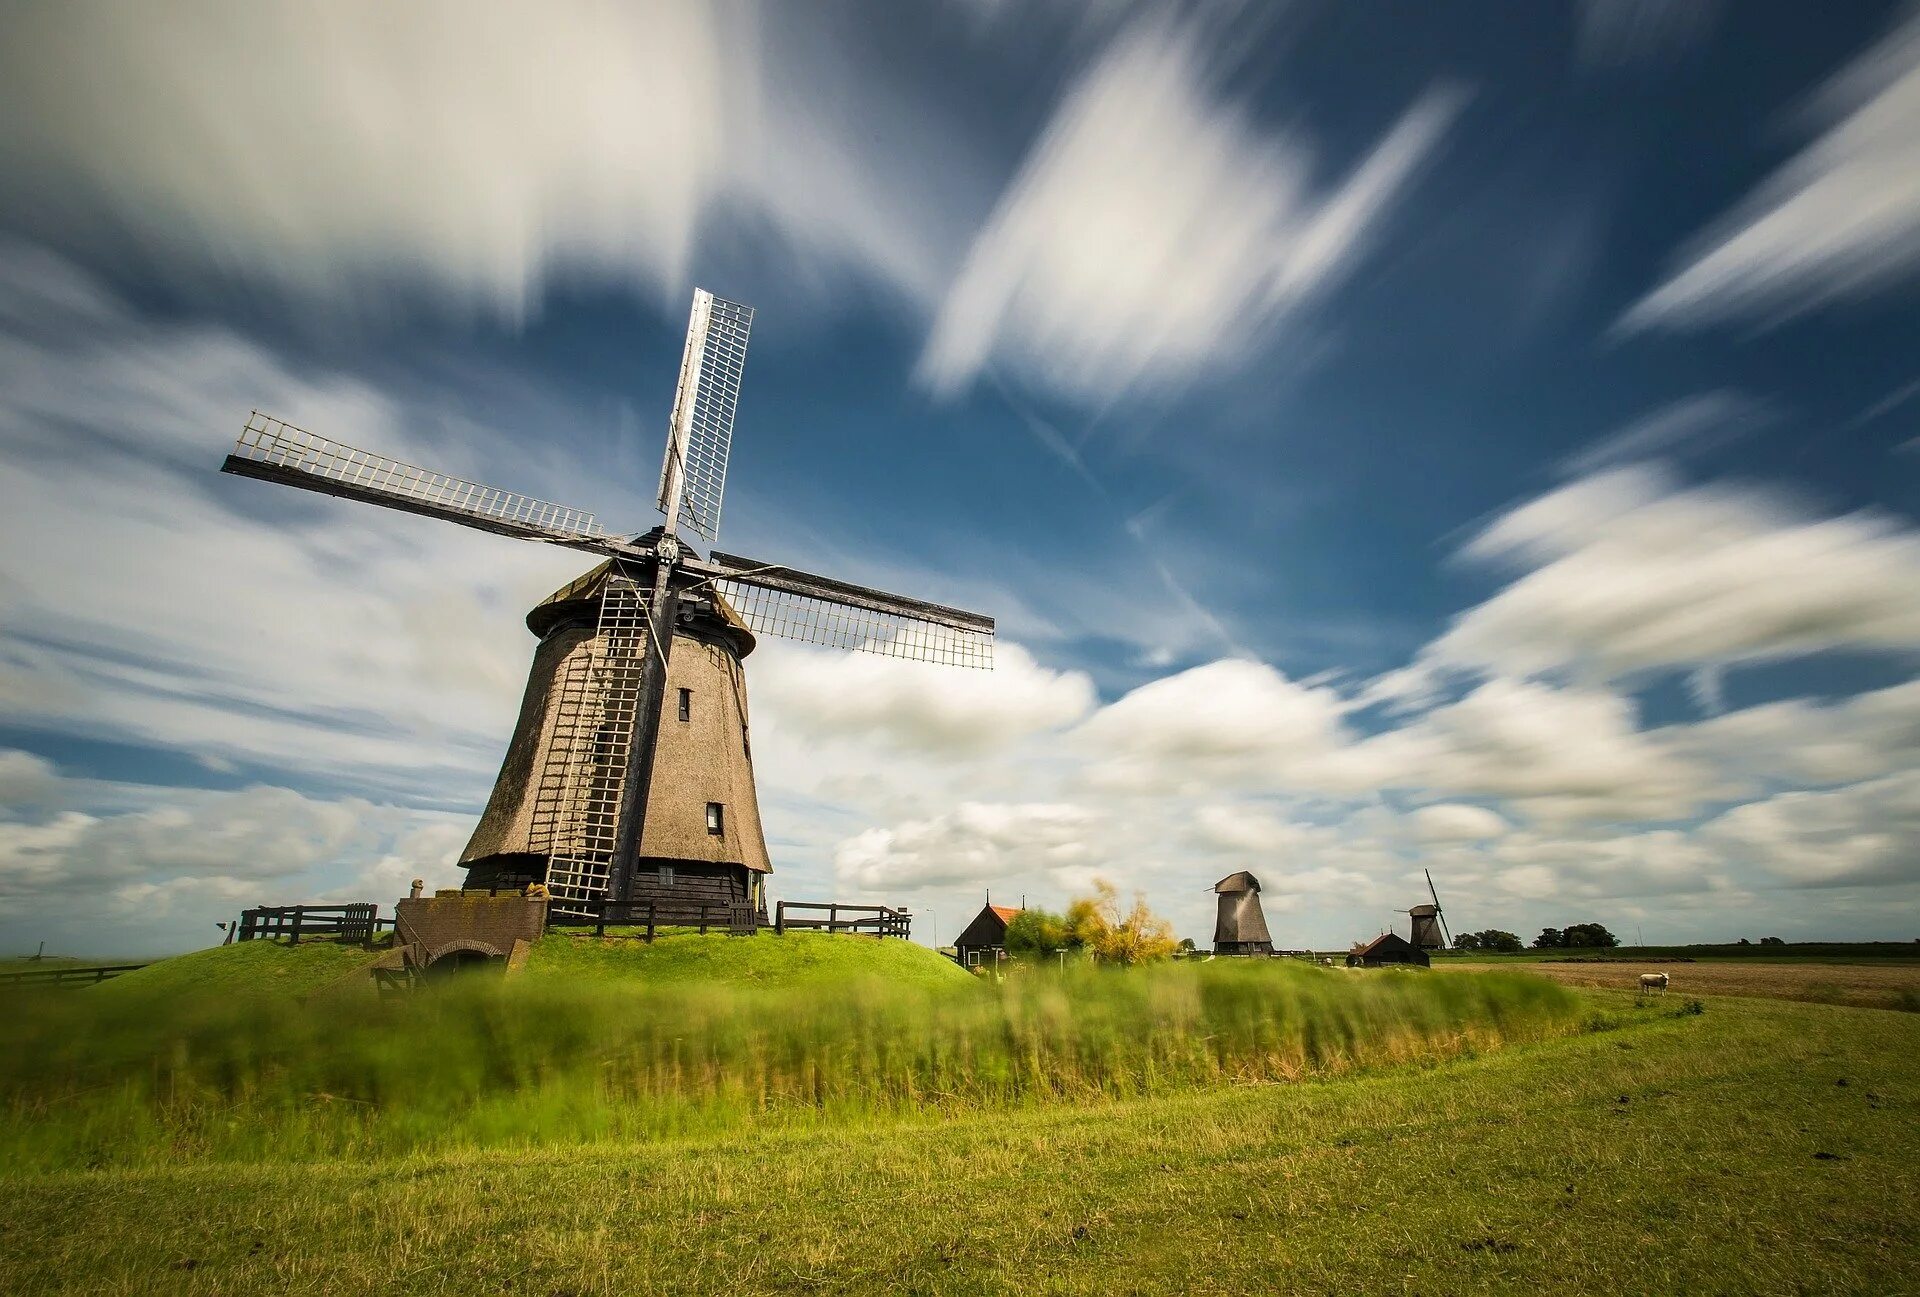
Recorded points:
1875,986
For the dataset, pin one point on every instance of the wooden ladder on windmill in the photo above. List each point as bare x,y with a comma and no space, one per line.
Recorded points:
576,810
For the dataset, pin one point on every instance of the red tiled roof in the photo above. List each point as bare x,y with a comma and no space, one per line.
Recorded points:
1006,912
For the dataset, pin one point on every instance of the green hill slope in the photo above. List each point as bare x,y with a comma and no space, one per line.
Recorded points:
795,959
267,969
259,969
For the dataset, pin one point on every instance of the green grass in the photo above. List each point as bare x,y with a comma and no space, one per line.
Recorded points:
247,969
1676,1153
92,1081
794,959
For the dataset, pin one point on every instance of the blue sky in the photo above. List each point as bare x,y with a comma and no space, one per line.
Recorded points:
1483,440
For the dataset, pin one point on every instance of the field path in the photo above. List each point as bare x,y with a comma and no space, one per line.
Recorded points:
1880,985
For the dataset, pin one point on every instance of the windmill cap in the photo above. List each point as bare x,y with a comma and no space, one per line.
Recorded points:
578,601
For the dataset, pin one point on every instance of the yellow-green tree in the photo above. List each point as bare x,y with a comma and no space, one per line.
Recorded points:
1136,936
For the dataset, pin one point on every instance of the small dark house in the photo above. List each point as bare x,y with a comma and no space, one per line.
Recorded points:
1239,928
985,939
1386,949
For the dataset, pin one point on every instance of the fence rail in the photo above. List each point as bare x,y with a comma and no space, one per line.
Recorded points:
736,919
878,920
357,922
599,914
66,976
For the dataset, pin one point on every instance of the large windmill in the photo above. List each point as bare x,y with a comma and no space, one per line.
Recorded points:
598,796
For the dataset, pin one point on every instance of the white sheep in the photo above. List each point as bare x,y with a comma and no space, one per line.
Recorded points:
1653,981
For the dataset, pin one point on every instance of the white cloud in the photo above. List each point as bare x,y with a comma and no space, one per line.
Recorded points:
1862,835
1231,721
1838,222
1154,230
1559,755
341,147
1812,741
187,619
1453,822
974,843
1630,574
1703,421
824,695
25,779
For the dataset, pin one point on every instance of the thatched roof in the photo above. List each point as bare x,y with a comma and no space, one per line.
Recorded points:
577,596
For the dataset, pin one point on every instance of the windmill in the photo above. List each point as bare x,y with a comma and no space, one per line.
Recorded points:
1239,928
598,797
1430,922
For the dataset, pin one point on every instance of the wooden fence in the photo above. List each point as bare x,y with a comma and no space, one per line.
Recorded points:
65,976
738,919
651,915
877,920
357,922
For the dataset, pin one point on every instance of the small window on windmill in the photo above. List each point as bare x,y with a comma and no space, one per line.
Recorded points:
716,818
666,875
686,704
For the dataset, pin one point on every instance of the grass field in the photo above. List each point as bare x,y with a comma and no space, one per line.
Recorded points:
1758,1147
1218,1128
1880,984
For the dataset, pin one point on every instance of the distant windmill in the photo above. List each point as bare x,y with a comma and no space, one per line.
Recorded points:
1239,928
1430,922
595,798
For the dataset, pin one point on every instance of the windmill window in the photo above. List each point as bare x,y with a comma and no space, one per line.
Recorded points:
666,875
686,704
716,818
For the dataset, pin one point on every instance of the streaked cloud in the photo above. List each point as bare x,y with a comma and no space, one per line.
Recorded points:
344,148
1156,230
1693,424
1627,572
1840,221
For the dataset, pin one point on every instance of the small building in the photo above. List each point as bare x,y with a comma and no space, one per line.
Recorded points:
1385,949
1239,928
985,939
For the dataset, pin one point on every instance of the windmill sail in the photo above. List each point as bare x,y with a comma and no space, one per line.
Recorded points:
275,451
693,476
778,600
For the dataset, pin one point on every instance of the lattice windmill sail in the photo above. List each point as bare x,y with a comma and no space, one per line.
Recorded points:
600,796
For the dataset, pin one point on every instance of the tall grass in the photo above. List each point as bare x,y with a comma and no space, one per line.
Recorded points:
96,1081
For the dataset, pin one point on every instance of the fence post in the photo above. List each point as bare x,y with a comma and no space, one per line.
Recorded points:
780,919
833,917
600,918
703,918
652,907
299,916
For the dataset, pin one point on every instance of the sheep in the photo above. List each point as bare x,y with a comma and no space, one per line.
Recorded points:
1653,981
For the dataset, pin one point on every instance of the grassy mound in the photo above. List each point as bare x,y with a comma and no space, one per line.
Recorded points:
796,959
250,969
557,1060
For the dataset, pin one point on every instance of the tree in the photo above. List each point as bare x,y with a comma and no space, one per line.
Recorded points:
1036,934
1549,939
1467,941
1588,934
1773,941
1135,937
1491,939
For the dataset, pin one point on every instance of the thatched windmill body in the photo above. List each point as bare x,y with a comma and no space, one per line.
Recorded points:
1239,927
1430,921
629,776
